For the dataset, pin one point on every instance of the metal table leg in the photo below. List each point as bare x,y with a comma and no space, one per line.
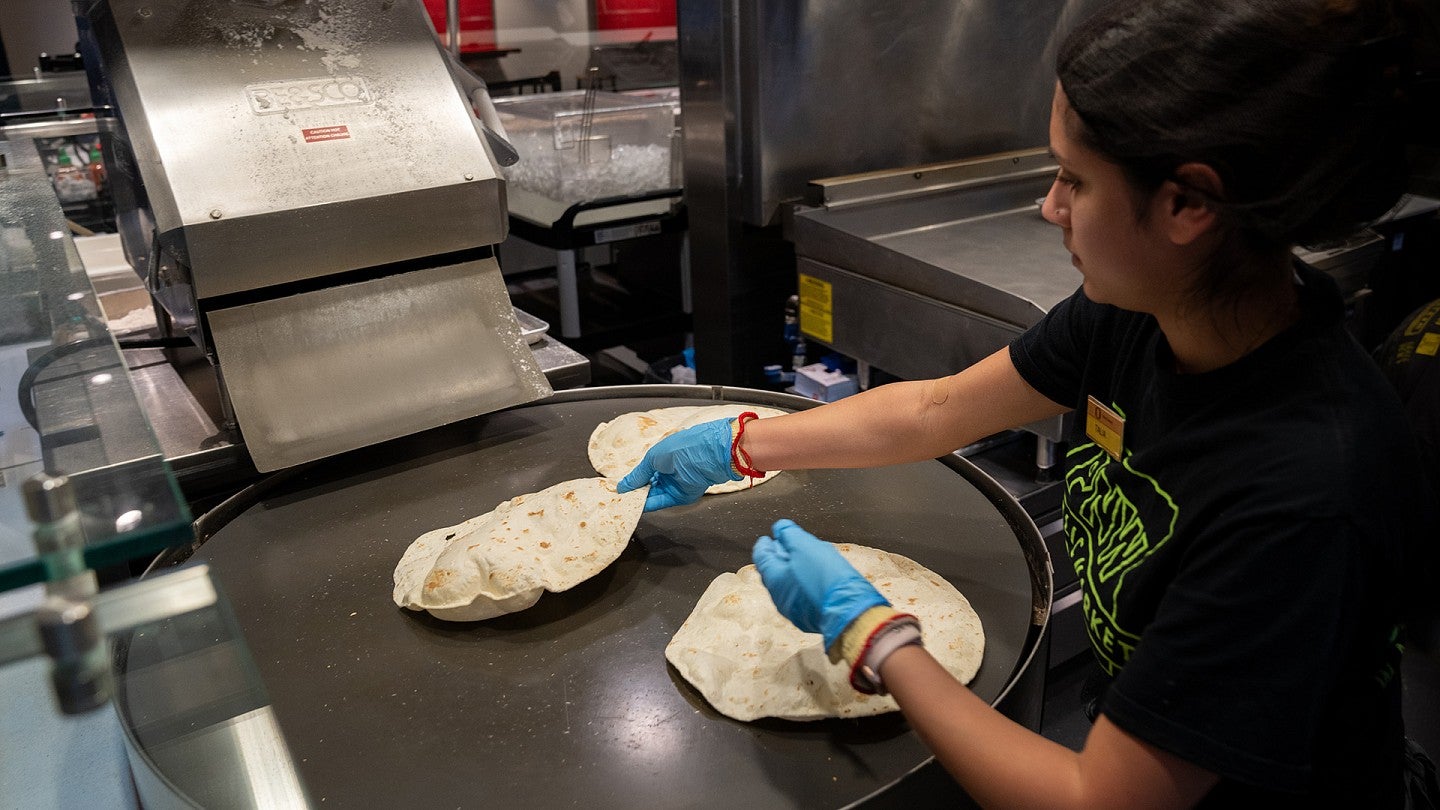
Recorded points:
569,293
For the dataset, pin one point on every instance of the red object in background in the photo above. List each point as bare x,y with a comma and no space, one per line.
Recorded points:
612,15
477,23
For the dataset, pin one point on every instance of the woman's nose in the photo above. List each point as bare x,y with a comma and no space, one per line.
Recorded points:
1056,206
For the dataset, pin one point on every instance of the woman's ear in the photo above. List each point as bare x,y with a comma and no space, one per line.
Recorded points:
1187,202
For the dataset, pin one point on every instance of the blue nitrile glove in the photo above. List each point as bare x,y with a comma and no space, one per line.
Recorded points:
811,583
681,466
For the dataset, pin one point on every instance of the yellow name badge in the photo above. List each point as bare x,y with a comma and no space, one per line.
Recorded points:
1105,427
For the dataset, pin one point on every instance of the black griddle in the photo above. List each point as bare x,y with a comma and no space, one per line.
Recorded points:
571,702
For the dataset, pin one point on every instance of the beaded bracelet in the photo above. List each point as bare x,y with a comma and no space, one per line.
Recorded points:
899,630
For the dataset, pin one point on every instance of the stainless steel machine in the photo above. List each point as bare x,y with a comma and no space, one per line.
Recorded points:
774,97
309,196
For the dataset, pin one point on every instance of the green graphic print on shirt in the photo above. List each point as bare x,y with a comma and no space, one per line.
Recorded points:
1115,517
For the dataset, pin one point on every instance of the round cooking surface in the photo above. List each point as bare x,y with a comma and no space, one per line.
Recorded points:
571,702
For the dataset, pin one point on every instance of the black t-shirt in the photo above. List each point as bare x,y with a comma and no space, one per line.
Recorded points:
1241,560
1410,359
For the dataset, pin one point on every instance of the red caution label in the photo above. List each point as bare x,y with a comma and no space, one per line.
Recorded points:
335,133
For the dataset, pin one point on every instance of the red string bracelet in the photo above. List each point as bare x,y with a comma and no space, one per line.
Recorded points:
738,457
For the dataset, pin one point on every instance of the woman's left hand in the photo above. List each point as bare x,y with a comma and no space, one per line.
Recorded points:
811,583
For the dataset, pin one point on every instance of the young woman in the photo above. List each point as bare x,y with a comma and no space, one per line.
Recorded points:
1240,494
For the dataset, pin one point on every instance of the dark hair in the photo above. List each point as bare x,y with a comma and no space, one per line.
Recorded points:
1294,104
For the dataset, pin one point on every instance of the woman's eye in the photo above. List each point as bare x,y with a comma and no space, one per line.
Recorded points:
1066,180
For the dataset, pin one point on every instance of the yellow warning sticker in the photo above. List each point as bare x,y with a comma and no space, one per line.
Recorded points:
1429,345
817,319
815,292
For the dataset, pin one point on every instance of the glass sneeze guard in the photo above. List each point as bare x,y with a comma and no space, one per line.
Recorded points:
67,404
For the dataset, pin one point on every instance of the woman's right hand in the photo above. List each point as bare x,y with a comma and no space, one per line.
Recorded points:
811,583
680,467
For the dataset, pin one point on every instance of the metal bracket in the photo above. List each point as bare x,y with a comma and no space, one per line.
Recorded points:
73,623
69,630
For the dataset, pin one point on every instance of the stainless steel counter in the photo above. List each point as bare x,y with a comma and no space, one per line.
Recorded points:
924,271
987,250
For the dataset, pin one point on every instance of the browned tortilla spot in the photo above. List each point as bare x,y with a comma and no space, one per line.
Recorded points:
536,513
544,545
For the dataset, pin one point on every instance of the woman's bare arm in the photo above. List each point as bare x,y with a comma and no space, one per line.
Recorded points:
1001,764
900,422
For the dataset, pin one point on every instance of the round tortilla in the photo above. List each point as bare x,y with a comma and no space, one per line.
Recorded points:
618,445
750,662
501,561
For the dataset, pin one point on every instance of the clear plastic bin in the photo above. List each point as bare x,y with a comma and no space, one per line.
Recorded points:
620,145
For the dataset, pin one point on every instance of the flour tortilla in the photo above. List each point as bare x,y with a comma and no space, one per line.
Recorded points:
618,445
501,561
750,662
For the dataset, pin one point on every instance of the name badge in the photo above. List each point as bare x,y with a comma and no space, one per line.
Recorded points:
1105,427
